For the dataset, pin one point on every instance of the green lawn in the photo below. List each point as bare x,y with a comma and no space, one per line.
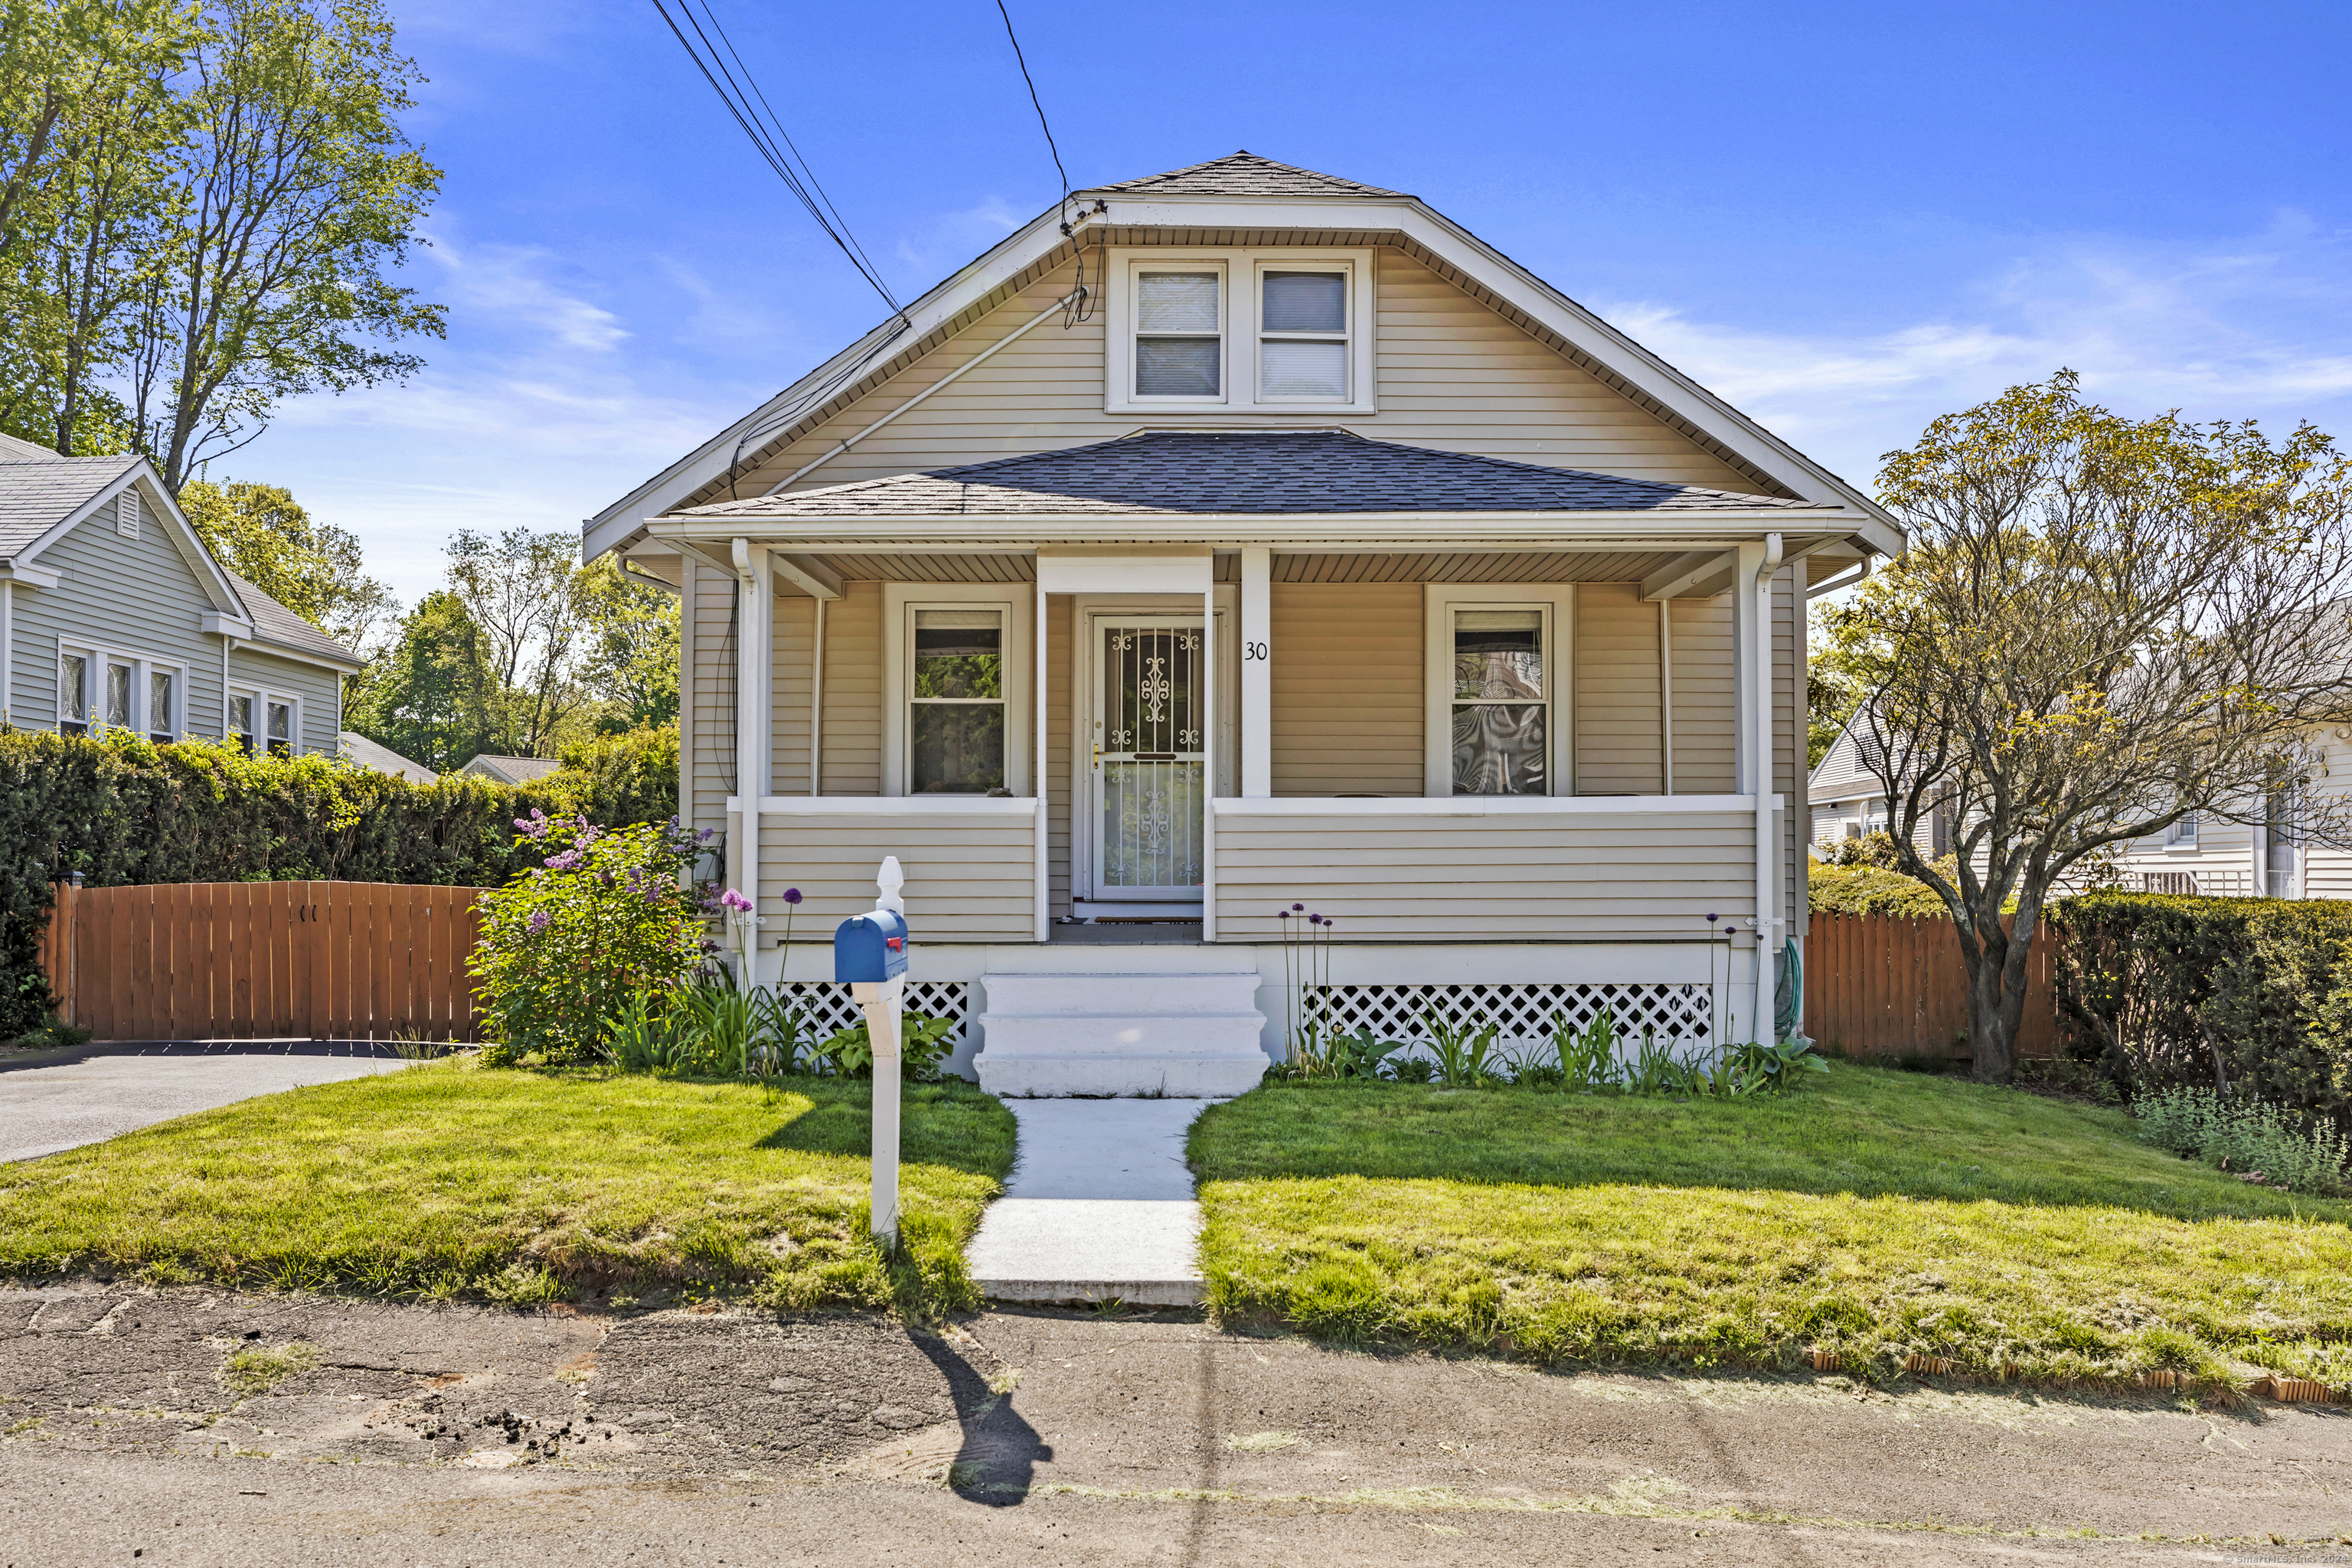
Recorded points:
457,1180
1871,1212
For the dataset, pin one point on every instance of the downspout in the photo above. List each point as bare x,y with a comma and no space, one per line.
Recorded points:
227,642
7,652
1767,923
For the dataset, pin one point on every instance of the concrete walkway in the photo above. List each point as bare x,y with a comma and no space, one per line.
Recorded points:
63,1100
1100,1205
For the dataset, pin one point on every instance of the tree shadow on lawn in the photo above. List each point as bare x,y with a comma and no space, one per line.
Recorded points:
1858,1131
953,1125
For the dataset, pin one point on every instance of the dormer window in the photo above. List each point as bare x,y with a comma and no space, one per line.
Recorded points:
1302,329
1180,343
1272,330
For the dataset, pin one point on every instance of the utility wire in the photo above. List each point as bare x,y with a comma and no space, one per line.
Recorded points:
749,106
1080,305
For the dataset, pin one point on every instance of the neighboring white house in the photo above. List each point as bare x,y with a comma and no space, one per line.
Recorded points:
2264,858
1848,800
113,613
1316,558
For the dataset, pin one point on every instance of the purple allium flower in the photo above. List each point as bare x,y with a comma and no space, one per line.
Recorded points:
1315,920
792,895
1300,908
1712,918
540,921
731,900
1283,913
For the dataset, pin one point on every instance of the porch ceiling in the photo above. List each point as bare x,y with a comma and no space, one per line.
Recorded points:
1461,566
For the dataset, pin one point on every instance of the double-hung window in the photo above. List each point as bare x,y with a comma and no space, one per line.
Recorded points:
281,727
1179,342
1302,335
118,694
240,722
1501,703
162,706
73,694
1240,332
955,707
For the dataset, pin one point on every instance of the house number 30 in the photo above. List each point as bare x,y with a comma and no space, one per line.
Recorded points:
1253,650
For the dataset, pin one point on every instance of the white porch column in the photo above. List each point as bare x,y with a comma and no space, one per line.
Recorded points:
1209,718
755,663
816,703
1257,672
1037,777
1751,597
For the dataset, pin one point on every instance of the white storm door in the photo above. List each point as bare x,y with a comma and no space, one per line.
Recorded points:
1150,758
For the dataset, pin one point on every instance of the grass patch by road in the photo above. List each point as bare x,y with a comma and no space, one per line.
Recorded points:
454,1180
1873,1213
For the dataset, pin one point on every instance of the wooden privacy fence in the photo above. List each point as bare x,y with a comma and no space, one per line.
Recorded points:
206,960
1893,986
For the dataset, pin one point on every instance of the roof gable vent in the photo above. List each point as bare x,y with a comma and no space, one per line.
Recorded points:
126,514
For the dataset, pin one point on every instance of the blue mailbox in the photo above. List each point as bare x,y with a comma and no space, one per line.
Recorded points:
871,947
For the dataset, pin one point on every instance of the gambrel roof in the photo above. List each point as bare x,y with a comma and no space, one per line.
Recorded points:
1246,175
1241,472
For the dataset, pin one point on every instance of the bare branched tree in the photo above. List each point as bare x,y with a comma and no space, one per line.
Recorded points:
2101,625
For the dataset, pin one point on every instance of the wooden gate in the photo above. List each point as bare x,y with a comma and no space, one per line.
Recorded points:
206,960
1893,986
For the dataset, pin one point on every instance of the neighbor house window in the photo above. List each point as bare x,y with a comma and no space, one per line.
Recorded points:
2182,834
1302,348
73,694
1501,708
240,724
118,695
281,728
163,686
955,718
1179,344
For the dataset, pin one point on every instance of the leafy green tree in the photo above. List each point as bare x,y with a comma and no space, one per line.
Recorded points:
89,130
2103,625
632,666
314,569
434,696
295,195
530,598
1832,688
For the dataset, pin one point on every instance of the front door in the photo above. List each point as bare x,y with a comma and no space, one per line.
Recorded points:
1150,759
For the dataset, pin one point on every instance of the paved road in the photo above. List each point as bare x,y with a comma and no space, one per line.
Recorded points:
465,1436
63,1100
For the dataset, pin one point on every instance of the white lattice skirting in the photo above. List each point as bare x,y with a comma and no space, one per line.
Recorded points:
827,1005
1672,1012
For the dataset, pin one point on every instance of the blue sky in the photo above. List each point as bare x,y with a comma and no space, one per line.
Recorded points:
1845,218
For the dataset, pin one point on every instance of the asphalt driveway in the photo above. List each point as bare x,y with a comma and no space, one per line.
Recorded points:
63,1100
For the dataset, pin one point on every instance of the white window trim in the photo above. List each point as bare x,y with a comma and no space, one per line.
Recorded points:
1558,602
899,603
1239,327
2177,843
263,696
144,668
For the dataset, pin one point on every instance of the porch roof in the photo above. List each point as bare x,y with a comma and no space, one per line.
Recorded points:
1189,473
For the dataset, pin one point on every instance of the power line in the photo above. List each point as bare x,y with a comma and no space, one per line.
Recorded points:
749,106
1080,306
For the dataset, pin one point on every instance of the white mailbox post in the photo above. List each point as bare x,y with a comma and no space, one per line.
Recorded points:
870,953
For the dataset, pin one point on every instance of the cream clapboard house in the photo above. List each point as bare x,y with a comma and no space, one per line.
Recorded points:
1316,557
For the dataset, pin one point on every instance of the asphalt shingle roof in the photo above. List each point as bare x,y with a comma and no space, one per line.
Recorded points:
36,492
274,623
510,770
1246,175
1183,471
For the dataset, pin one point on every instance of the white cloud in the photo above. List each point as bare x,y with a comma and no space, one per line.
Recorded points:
509,284
2258,327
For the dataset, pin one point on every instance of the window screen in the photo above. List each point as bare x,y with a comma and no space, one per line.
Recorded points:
1177,350
955,720
1500,704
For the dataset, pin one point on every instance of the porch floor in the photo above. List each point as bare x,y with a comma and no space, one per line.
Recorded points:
1125,935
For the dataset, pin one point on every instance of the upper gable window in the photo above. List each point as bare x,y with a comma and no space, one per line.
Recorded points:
1240,332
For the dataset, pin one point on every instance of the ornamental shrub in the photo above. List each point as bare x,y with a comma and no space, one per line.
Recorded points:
123,811
604,917
2251,996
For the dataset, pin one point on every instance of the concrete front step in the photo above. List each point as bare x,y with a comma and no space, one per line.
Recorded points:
1154,1033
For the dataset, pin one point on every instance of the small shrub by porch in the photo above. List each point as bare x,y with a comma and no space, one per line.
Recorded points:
452,1180
1871,1214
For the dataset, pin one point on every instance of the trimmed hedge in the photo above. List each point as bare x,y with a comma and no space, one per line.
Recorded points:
123,811
2165,992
